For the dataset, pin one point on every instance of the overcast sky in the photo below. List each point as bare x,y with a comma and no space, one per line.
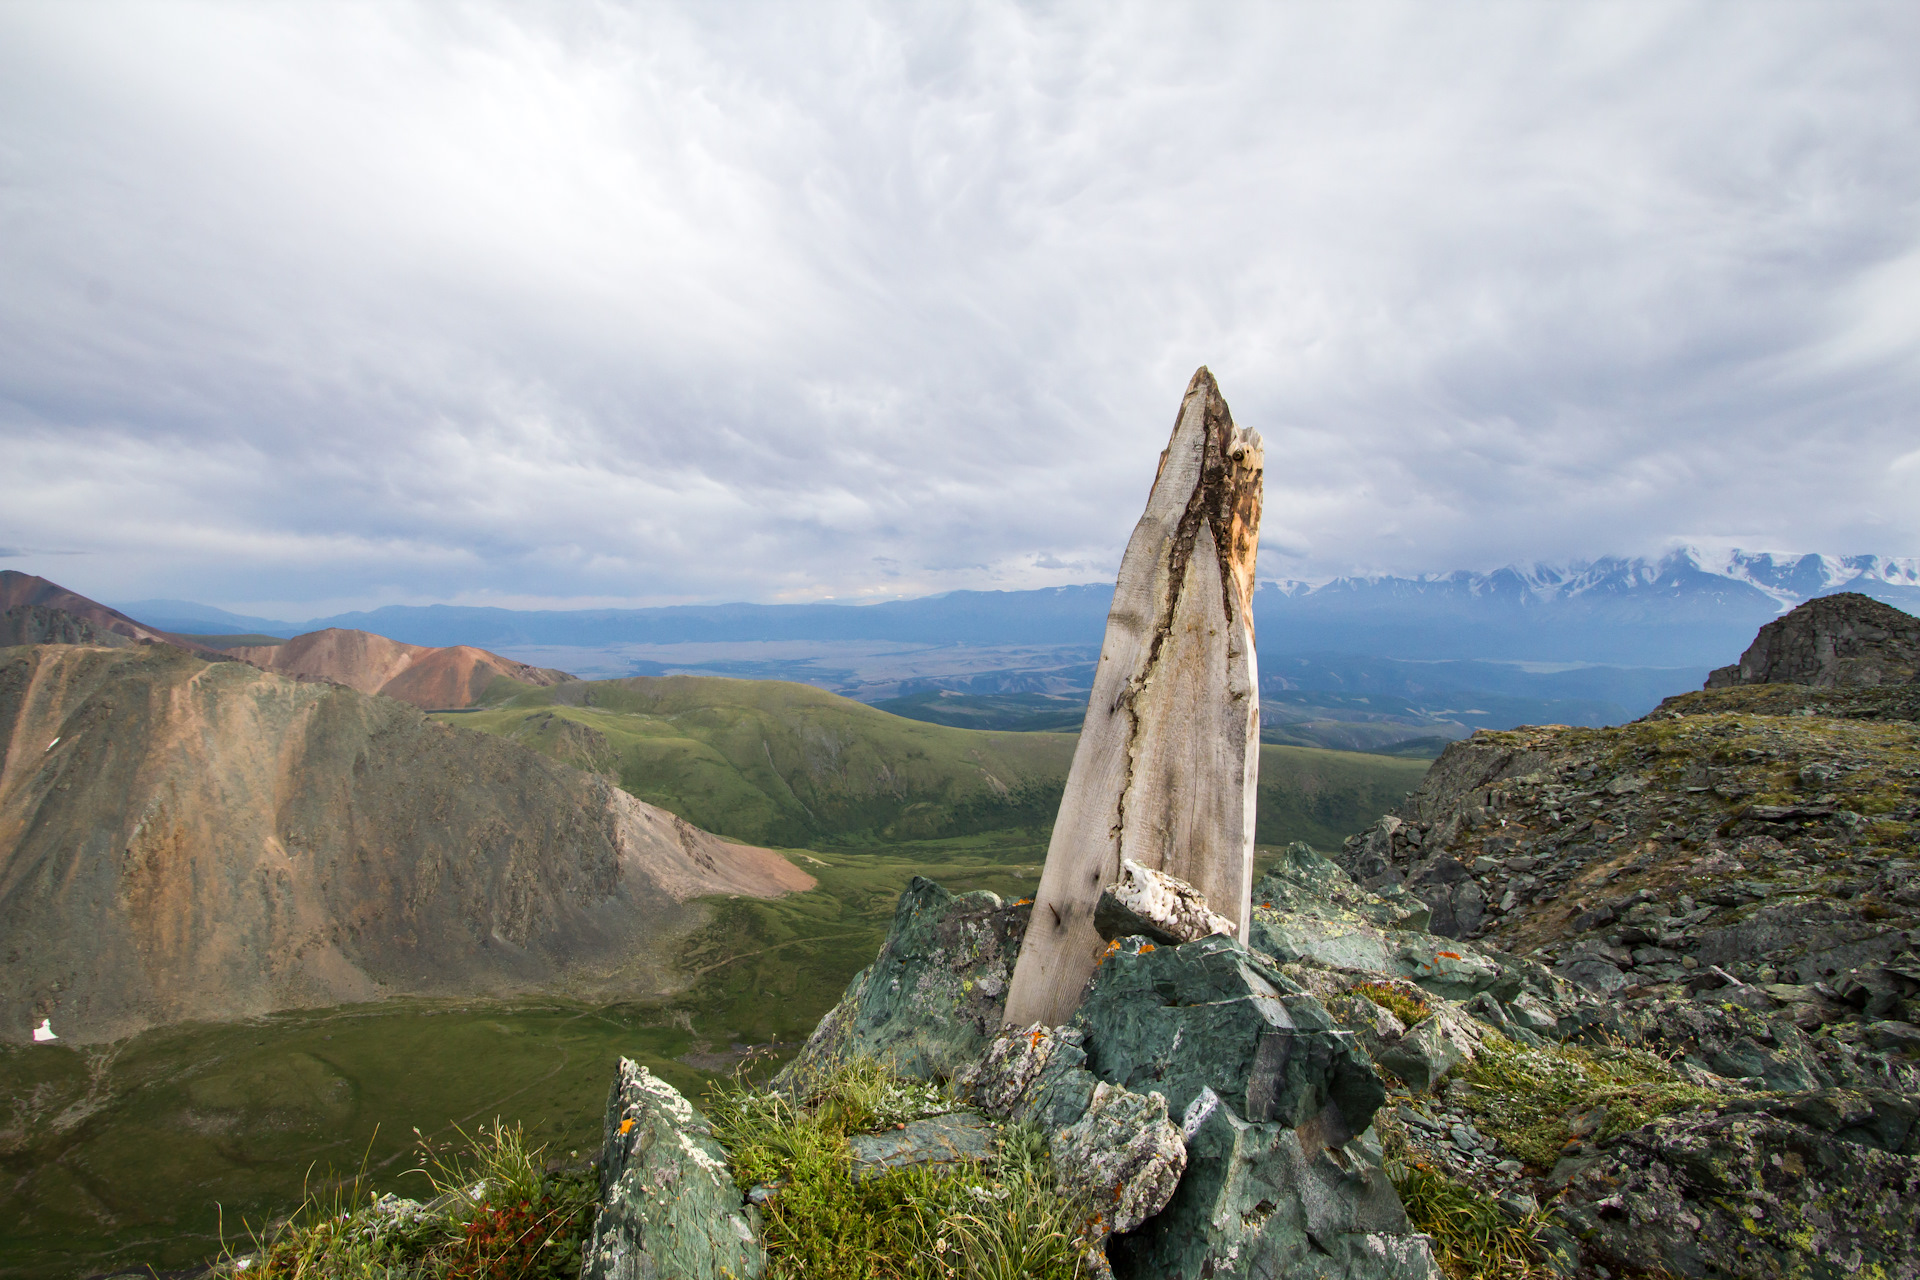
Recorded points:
311,307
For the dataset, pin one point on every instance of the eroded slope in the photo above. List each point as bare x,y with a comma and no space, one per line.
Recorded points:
180,839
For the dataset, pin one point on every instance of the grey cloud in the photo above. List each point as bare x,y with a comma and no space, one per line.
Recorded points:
401,303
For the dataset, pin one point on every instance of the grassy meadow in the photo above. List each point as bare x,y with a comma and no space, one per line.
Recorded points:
133,1153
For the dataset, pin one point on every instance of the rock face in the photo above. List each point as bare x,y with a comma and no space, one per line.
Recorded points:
1833,641
669,1210
43,624
428,678
1165,770
190,840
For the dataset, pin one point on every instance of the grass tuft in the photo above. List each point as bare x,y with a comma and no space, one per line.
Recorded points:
1473,1238
494,1215
996,1221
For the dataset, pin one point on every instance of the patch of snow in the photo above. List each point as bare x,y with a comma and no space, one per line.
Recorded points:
44,1032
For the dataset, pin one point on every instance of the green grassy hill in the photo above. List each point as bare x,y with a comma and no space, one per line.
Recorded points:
769,762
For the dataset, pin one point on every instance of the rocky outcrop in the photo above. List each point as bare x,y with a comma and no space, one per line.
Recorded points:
428,678
1833,641
668,1206
191,840
1165,770
935,995
1205,1102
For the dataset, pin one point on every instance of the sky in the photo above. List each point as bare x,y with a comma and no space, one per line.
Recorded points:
306,308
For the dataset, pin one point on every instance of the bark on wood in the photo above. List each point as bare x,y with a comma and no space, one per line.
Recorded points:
1169,756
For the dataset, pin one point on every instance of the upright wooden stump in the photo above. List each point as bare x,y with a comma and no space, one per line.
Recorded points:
1170,754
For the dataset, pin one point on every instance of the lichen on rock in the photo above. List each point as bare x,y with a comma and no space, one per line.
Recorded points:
669,1210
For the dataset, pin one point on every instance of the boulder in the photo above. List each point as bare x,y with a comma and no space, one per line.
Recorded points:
1208,1015
932,999
1154,905
944,1141
1122,1154
668,1206
1437,1043
1268,1200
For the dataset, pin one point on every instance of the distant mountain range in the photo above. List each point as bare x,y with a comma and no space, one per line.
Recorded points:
1689,608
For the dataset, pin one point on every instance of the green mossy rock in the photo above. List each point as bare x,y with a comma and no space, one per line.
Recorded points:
1208,1015
669,1210
932,998
1265,1200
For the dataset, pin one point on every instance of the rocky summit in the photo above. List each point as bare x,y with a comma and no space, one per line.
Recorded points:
1838,640
1641,1000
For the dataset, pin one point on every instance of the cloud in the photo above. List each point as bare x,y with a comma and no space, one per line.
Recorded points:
381,303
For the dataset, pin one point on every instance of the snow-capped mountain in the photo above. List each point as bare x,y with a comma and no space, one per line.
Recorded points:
1687,607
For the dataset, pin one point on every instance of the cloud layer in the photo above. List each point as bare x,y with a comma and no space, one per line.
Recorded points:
321,307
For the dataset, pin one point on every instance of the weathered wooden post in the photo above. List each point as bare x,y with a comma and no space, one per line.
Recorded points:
1170,753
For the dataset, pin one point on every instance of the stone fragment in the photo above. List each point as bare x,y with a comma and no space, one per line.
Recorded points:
931,1000
1152,904
1165,770
1267,1200
1440,1042
1123,1155
945,1141
1033,1075
668,1206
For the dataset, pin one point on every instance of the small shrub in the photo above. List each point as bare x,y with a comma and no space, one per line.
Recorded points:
1402,1004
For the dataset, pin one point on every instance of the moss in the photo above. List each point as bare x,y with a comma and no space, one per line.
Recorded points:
1529,1096
1397,1000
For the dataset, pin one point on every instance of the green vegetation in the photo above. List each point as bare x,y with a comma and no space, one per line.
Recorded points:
767,969
1473,1237
1535,1099
1399,1000
138,1152
769,762
1322,797
1001,1219
494,1213
141,1152
1022,712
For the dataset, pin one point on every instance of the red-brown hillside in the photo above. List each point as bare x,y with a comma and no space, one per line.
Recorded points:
425,677
22,589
